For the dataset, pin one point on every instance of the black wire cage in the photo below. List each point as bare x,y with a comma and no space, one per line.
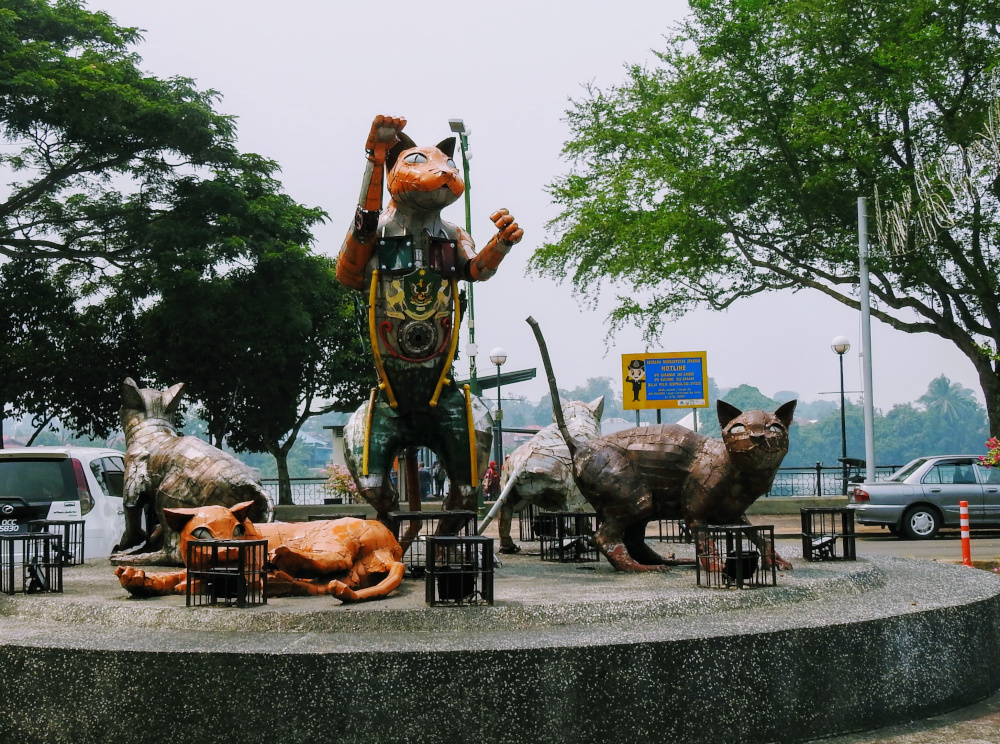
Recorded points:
568,537
828,534
226,572
423,525
72,533
459,571
527,523
30,562
736,557
673,530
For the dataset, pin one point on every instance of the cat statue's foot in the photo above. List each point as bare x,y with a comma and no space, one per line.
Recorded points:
779,563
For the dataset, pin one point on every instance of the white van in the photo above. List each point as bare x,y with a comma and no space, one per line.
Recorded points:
65,483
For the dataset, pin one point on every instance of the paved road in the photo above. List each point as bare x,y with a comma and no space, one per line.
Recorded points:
875,541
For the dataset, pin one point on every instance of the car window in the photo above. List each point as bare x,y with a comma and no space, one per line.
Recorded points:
37,480
953,472
110,474
989,476
906,471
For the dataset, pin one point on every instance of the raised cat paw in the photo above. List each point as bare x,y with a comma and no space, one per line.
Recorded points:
509,232
383,135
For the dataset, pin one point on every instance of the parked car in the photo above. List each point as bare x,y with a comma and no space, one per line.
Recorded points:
922,497
65,483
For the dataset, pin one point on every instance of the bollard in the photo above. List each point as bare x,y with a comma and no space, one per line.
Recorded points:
963,510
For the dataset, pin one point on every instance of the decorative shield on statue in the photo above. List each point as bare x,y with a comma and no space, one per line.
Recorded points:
420,294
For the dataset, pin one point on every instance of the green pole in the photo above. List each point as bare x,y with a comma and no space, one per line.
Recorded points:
464,140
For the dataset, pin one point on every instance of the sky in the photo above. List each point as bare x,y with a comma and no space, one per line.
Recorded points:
306,78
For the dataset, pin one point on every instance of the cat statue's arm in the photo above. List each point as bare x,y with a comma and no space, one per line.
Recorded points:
359,244
484,264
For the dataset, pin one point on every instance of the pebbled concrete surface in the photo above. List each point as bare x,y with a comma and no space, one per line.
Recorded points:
568,652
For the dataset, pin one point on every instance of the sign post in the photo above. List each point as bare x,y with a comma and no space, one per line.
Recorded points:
676,379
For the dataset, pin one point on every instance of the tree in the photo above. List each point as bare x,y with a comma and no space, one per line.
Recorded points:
101,150
58,356
263,349
733,166
950,404
125,187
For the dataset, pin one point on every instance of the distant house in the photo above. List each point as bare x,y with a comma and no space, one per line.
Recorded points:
316,451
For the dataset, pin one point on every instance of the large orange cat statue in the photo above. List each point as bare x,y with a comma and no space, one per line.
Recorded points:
407,261
352,559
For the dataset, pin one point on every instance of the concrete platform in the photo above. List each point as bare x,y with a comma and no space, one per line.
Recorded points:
569,652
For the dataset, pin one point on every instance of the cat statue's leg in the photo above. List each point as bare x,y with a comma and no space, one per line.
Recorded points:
506,519
610,539
767,550
448,427
369,449
138,583
635,542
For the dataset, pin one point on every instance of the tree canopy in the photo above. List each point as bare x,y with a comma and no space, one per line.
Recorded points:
136,239
733,166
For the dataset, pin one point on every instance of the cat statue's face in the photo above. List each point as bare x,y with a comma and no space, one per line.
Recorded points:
756,440
425,178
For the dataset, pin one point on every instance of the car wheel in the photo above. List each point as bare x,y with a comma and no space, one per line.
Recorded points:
921,523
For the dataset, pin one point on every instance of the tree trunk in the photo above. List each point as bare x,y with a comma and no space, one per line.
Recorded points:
39,430
989,380
280,455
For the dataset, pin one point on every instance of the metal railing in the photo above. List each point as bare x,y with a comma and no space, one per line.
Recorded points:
820,480
305,491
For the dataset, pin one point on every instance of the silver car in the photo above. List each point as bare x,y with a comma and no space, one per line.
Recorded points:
923,496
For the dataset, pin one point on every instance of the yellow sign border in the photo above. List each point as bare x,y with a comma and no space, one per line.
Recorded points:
628,391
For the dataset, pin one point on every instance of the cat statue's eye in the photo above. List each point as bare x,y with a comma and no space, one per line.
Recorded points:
201,533
238,531
737,429
451,164
415,157
776,428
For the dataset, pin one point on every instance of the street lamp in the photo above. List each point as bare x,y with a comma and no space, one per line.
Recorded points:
459,128
840,345
498,356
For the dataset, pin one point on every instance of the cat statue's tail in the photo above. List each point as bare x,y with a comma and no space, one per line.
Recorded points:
571,443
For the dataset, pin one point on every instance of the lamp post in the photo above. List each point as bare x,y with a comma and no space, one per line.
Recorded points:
459,128
498,356
840,345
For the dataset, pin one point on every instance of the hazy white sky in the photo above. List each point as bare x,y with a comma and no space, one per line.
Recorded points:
305,79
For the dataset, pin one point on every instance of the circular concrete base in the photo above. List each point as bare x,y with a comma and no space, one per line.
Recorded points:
569,653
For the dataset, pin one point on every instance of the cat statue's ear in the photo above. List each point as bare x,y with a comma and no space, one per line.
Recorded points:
597,407
447,146
726,412
405,143
785,411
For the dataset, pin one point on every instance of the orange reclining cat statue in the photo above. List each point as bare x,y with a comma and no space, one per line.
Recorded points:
352,559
